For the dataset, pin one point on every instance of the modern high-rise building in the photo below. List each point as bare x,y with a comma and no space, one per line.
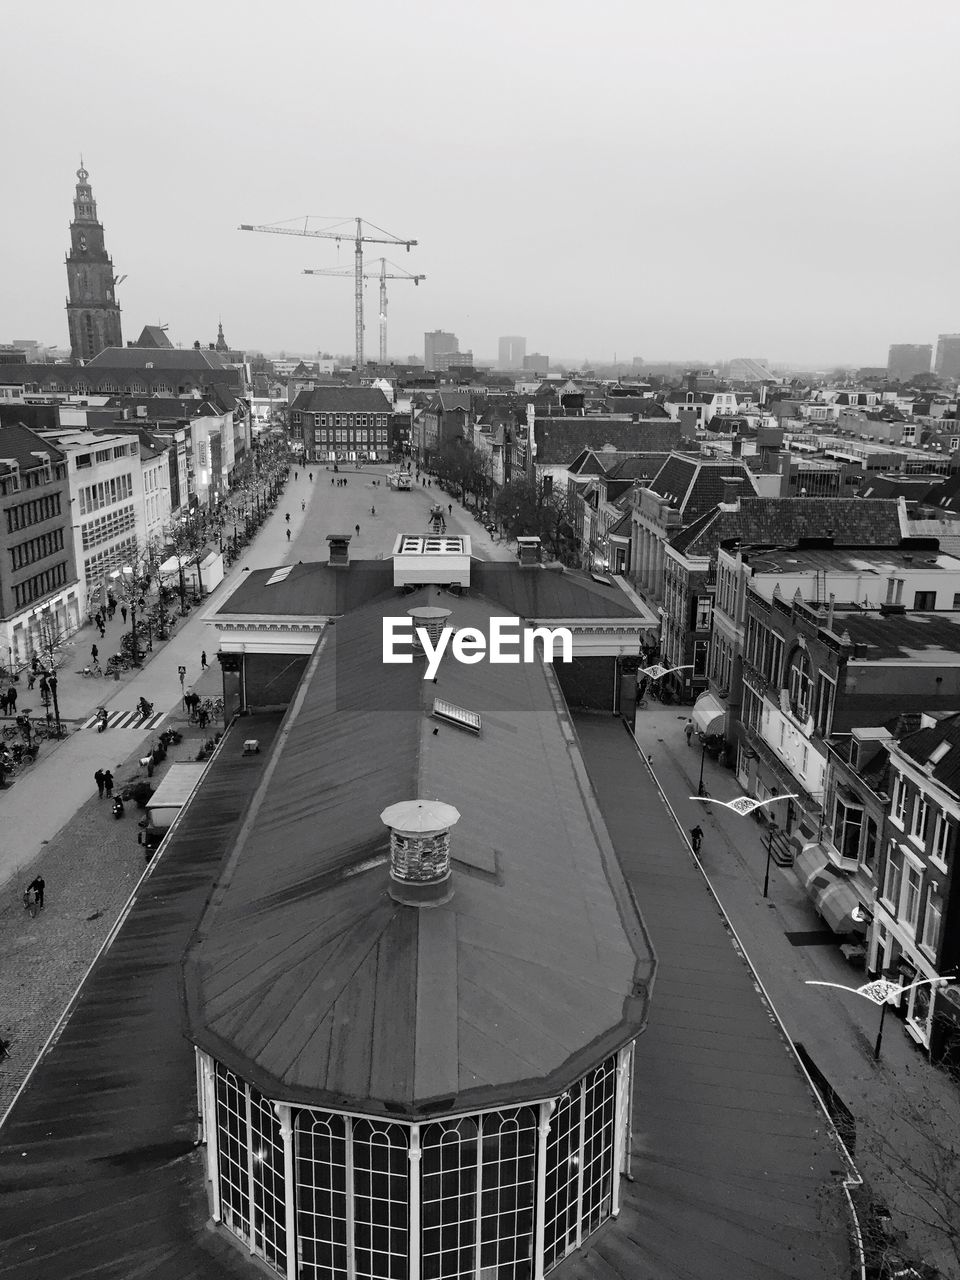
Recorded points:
512,351
93,314
536,362
438,343
948,356
444,361
906,359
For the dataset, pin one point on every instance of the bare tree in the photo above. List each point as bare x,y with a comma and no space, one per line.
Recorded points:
187,541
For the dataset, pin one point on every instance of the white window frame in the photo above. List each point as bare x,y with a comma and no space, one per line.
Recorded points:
942,837
898,805
894,860
933,909
911,868
920,818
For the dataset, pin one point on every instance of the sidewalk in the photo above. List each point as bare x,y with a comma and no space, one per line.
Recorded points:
837,1029
40,800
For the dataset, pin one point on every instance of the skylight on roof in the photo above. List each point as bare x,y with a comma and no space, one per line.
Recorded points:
937,754
278,575
601,577
460,716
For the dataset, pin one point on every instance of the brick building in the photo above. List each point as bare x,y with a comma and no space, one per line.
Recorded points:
40,598
342,424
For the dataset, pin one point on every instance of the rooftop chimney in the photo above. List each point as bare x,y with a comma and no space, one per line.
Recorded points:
529,550
731,490
431,620
420,851
339,548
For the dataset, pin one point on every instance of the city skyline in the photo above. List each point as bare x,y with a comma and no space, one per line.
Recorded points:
663,183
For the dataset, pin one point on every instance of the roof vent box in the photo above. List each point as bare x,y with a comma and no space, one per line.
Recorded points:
421,559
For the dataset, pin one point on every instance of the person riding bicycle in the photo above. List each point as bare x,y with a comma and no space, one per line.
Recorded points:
101,719
145,708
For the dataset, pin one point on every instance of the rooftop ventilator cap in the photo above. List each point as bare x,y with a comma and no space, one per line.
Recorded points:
420,851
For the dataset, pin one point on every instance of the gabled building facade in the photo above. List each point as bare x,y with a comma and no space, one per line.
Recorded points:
342,424
916,925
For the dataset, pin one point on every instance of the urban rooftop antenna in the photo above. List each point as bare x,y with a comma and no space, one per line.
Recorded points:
335,231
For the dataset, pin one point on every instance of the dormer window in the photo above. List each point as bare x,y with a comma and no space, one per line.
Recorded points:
800,684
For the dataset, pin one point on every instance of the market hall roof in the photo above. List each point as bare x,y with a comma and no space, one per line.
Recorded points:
321,590
308,979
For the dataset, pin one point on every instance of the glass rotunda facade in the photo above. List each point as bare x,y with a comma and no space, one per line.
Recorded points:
502,1194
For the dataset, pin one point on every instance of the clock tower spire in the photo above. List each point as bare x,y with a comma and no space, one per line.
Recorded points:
92,311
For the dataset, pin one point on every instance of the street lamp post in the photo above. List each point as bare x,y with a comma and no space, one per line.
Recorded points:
766,873
882,991
52,681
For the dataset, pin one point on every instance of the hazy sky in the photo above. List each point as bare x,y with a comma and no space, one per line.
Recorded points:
690,178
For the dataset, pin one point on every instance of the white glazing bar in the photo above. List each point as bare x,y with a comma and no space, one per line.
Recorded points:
211,1133
543,1133
351,1215
580,1160
619,1125
628,1154
285,1116
414,1201
478,1196
251,1182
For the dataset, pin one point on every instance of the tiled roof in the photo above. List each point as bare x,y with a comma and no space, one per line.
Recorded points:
921,745
782,522
694,486
19,443
153,335
342,400
186,358
312,982
560,440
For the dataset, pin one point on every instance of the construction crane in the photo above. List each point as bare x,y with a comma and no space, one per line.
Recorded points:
335,232
383,275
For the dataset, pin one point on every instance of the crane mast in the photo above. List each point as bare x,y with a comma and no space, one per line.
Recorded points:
383,275
360,238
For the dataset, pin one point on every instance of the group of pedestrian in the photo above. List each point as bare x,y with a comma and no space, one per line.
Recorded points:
196,709
104,780
339,481
8,700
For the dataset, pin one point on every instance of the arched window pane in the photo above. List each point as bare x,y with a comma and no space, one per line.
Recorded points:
448,1205
598,1120
563,1160
508,1193
321,1174
232,1152
269,1211
381,1200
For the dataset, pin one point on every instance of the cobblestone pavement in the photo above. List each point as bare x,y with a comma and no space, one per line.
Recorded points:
90,869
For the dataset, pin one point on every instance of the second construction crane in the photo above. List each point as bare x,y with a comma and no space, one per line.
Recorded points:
335,231
383,275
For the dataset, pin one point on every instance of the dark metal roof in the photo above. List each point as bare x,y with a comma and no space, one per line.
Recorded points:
98,1174
921,745
342,400
911,637
310,980
547,592
314,590
19,444
733,1172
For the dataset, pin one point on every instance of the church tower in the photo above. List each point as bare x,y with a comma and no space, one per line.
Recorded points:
92,311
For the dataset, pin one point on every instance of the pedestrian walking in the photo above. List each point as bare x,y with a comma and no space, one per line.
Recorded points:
287,517
303,505
11,700
98,779
288,535
333,479
696,838
296,475
203,715
31,679
450,508
111,602
358,530
203,659
107,783
103,629
311,477
37,885
94,653
688,730
123,613
44,687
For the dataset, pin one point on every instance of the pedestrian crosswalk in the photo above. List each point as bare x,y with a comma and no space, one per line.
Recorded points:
128,720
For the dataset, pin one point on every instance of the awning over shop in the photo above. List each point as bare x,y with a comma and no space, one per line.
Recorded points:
832,892
809,862
709,715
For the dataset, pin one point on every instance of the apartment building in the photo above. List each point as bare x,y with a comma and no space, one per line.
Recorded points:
40,597
107,502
